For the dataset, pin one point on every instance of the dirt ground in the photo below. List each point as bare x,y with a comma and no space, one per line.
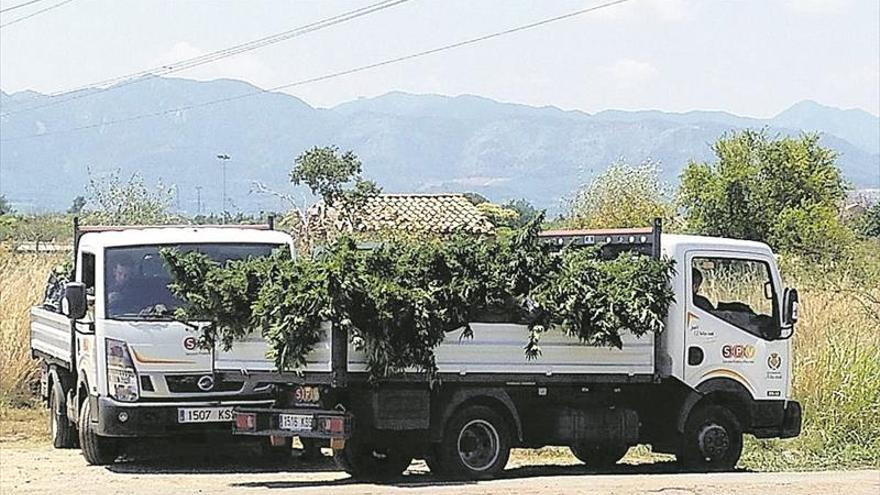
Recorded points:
34,468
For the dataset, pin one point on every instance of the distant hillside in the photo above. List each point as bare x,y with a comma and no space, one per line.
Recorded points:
407,142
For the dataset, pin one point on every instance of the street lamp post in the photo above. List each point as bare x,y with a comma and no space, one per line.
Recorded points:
223,159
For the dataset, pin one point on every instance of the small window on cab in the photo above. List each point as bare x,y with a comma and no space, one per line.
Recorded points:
738,291
88,272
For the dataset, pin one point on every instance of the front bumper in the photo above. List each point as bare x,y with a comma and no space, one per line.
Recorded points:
791,422
776,419
145,419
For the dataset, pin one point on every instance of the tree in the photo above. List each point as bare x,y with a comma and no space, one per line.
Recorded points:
624,195
783,191
333,176
499,215
525,211
5,207
869,224
127,203
77,206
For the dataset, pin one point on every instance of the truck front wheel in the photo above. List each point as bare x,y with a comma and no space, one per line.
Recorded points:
599,456
62,430
366,461
713,439
97,450
475,445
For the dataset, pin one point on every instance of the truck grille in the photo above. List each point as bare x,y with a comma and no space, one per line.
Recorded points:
189,384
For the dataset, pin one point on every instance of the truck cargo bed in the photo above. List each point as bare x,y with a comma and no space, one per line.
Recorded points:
50,335
496,348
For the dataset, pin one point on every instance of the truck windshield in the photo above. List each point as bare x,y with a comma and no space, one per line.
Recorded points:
136,278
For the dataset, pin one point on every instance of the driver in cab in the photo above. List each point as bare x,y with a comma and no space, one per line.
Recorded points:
700,301
120,289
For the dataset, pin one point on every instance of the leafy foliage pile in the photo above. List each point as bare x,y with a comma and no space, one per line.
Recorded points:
399,299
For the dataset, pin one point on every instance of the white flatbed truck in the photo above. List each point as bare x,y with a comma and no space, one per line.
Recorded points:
115,365
721,368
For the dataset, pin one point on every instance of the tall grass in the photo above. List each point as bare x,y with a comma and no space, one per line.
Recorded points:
22,280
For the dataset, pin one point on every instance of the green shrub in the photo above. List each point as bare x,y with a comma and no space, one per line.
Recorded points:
400,298
783,191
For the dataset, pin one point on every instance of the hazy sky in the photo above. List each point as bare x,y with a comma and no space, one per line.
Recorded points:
752,57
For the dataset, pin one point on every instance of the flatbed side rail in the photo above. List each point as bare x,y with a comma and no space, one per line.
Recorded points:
499,379
645,240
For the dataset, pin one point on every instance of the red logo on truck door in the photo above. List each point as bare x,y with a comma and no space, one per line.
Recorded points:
190,343
738,352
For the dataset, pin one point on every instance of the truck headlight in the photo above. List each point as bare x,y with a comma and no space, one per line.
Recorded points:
121,376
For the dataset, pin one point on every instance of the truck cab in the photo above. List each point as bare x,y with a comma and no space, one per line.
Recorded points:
115,362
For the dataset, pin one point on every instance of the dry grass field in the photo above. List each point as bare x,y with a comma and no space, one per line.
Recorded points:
836,369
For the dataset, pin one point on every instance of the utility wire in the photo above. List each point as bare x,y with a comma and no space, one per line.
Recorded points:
181,65
331,75
25,4
51,7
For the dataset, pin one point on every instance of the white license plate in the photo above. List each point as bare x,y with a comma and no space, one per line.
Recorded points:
204,414
295,422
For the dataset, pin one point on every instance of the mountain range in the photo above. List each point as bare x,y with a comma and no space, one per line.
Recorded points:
408,143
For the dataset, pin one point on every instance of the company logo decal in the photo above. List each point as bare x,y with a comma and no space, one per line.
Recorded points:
206,383
774,361
738,352
190,343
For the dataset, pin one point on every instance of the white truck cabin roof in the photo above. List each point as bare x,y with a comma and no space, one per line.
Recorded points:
672,244
180,235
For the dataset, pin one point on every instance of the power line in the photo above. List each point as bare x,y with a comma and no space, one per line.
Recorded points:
181,65
51,7
25,4
332,75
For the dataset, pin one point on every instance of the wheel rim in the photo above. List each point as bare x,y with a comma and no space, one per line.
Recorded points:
713,441
478,445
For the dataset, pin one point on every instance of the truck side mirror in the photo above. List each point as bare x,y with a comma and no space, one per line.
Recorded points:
74,304
791,306
790,303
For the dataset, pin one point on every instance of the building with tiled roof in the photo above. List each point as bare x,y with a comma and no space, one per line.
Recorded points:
429,213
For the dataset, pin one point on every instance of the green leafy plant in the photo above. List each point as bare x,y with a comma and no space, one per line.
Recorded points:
783,191
400,298
623,195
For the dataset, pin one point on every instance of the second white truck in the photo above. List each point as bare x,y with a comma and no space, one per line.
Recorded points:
115,365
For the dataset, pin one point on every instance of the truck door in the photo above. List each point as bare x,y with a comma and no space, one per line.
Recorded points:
84,329
732,323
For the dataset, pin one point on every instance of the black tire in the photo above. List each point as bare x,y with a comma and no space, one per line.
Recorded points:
599,456
713,439
97,450
363,460
61,429
476,444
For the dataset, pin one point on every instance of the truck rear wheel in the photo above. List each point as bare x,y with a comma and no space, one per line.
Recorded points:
97,450
599,456
713,439
62,430
367,461
475,445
